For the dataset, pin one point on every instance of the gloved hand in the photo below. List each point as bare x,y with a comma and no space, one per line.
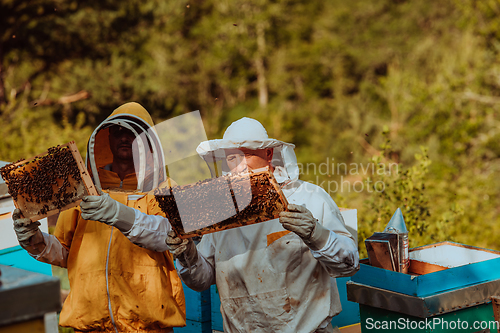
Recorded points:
301,221
24,228
104,209
182,249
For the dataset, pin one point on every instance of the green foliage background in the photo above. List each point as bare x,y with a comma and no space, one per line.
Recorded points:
389,81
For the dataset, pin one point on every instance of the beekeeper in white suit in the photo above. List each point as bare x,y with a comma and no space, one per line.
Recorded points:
272,276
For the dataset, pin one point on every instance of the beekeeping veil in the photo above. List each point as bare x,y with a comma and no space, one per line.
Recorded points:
249,133
147,149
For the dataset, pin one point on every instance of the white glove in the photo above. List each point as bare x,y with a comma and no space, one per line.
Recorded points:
25,230
182,249
301,221
104,209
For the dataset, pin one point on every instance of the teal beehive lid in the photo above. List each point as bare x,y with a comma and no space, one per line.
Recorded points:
397,223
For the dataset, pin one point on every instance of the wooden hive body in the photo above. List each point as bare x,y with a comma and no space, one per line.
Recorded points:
48,183
221,203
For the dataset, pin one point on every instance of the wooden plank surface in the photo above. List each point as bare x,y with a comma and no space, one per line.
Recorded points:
421,268
87,180
356,328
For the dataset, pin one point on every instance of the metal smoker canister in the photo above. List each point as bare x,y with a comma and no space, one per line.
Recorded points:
397,226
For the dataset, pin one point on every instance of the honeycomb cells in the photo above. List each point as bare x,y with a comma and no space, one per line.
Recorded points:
44,183
250,199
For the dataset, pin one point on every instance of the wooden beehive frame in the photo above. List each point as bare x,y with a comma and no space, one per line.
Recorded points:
281,204
86,181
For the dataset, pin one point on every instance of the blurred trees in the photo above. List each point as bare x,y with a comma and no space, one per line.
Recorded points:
327,76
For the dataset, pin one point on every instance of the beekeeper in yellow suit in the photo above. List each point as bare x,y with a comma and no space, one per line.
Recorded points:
122,277
274,276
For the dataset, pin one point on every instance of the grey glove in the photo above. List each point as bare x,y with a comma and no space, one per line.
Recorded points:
301,221
104,209
25,230
182,249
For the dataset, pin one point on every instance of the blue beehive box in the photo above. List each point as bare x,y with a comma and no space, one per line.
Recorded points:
454,265
447,281
18,257
216,314
198,315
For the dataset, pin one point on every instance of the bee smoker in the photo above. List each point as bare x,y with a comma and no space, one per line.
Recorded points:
389,249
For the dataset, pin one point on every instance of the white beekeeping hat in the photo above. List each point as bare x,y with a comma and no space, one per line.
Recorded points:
249,133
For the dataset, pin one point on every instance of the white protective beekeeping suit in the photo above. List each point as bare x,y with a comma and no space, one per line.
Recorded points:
267,278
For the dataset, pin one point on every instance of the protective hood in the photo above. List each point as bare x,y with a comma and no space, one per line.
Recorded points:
249,133
147,150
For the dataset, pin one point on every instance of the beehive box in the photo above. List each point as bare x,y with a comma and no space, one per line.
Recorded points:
447,282
26,296
198,316
48,183
221,203
435,268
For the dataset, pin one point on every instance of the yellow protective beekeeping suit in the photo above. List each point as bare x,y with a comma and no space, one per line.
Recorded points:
116,285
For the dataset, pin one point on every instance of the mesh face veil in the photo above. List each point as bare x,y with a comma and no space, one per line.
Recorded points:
146,148
249,133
